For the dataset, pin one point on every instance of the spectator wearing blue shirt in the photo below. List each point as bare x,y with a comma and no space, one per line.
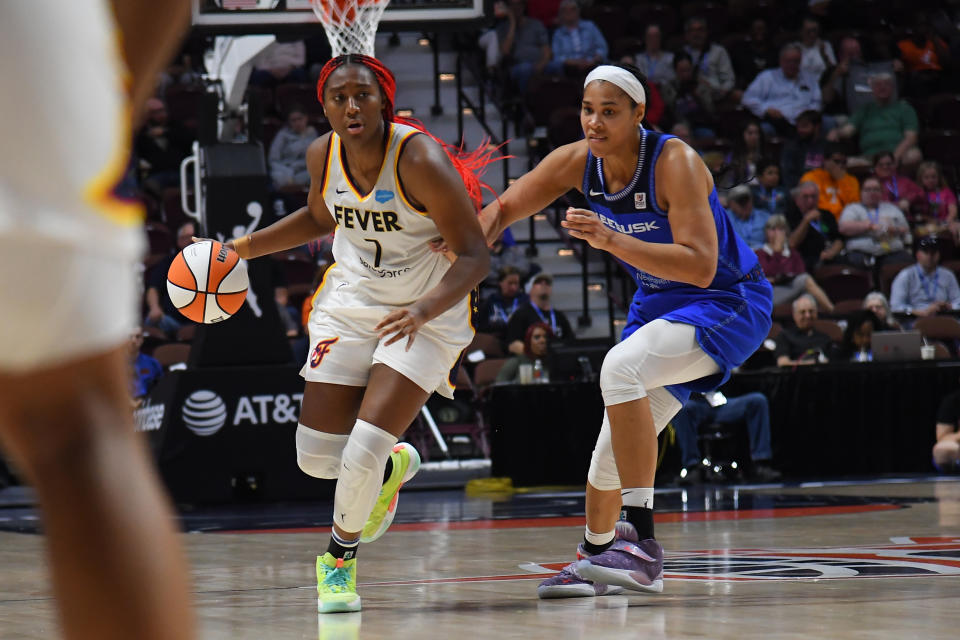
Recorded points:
767,192
577,44
653,61
925,288
525,44
778,96
747,221
146,369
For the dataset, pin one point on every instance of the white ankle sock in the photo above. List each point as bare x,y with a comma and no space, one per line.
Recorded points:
598,539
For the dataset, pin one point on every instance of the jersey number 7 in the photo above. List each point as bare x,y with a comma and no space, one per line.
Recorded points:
379,254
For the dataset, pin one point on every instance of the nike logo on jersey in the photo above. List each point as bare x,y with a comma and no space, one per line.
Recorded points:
381,221
596,193
339,193
636,227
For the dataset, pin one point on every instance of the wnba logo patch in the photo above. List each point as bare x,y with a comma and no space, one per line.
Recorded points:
640,200
322,349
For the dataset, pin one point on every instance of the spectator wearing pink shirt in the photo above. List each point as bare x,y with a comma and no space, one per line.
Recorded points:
935,202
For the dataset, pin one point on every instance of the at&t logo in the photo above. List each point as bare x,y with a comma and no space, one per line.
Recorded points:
204,412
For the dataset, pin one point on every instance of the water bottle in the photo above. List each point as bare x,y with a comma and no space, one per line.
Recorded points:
538,372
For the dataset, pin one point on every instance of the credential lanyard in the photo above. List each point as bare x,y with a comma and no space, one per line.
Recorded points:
926,282
553,319
506,316
894,188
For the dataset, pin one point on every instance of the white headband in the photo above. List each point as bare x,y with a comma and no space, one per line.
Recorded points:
620,77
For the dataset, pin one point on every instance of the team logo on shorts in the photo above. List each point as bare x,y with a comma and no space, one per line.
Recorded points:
322,349
640,200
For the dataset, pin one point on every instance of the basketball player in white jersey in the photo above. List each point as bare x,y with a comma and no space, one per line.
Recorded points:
73,73
391,317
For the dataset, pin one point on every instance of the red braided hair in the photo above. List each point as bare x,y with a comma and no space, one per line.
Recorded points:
469,164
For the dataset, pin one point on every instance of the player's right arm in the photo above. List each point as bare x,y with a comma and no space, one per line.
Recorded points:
558,173
150,31
301,226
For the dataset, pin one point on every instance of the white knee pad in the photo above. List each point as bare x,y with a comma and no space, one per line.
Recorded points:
620,379
603,473
318,453
361,475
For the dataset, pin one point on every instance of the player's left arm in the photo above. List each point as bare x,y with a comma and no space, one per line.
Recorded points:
684,184
430,179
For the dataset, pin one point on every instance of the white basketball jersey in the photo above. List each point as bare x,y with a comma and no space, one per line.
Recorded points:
64,126
382,240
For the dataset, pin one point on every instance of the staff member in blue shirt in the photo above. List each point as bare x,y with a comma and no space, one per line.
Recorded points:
925,289
577,44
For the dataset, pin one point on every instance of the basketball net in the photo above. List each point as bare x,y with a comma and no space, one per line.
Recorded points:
351,25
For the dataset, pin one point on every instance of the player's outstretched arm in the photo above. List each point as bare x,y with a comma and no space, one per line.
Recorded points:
558,173
684,183
430,179
150,31
301,226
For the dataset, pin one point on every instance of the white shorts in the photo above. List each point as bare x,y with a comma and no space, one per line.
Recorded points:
344,346
61,303
69,250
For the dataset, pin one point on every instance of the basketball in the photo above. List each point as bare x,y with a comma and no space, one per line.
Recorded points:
207,282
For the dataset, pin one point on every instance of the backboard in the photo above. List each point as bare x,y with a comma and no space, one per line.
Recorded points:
259,16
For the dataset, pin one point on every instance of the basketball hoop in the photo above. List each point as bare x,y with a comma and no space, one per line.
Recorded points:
351,25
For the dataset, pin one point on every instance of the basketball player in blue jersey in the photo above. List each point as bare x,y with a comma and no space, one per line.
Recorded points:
702,306
391,318
74,73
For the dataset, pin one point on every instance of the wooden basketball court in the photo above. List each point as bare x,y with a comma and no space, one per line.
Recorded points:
870,560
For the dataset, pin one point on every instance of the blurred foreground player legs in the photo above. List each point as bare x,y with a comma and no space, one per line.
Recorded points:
68,294
701,308
391,317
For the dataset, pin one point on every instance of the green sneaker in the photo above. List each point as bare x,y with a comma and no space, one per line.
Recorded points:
406,463
336,584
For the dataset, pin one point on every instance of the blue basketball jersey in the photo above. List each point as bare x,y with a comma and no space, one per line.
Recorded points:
732,315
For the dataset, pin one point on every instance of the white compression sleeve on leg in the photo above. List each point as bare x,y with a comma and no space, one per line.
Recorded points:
318,452
361,475
603,473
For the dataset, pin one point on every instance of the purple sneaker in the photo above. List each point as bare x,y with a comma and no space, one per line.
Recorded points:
629,562
569,584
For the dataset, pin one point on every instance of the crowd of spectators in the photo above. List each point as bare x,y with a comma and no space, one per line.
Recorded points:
819,122
816,121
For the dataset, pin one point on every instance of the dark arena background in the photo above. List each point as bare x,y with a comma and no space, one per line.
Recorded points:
815,495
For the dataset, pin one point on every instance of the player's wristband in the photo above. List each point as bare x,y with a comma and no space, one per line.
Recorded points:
242,246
